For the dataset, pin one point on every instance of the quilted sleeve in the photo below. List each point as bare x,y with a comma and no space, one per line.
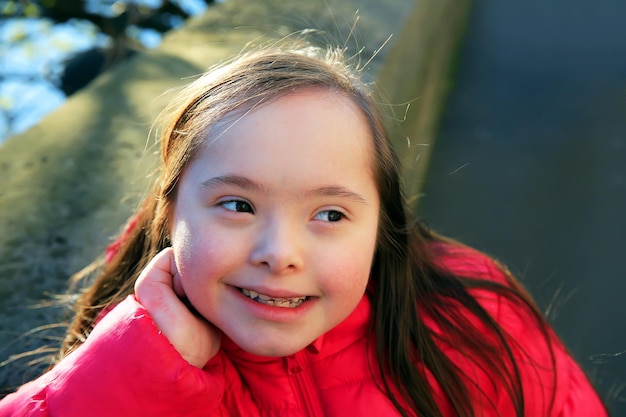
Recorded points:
127,367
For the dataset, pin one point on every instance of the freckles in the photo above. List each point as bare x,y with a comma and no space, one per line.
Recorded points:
181,241
189,251
203,254
181,232
349,276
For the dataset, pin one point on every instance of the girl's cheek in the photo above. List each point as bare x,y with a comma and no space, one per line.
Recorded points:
202,256
186,250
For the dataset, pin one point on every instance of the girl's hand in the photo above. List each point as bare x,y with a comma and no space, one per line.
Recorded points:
159,290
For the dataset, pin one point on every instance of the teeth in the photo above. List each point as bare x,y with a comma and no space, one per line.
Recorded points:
277,302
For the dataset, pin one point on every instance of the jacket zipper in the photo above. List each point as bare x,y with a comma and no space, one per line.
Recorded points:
298,370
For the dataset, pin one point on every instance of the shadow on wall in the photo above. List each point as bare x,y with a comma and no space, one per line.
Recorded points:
530,166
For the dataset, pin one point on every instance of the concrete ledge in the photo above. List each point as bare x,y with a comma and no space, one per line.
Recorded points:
416,78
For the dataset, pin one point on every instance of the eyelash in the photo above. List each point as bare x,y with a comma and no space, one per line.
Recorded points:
341,215
241,206
238,203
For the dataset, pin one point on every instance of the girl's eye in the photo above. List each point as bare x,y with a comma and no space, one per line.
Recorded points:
329,216
238,206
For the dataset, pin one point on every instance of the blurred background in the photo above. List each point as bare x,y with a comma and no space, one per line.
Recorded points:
50,49
529,165
528,162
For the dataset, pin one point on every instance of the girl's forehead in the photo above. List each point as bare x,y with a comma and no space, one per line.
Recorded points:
302,94
303,134
291,105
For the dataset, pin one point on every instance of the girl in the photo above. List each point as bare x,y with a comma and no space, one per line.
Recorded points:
275,271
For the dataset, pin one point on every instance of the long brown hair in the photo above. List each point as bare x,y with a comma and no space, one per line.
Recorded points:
405,274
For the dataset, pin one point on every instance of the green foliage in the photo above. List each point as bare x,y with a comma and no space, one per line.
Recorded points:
23,8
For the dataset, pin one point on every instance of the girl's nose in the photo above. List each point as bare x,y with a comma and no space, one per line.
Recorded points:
278,248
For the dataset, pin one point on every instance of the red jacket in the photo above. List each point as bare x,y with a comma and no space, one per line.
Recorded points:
128,368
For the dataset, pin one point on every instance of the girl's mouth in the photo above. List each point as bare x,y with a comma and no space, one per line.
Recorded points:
276,302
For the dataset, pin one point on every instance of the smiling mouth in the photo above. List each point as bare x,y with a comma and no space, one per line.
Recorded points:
276,302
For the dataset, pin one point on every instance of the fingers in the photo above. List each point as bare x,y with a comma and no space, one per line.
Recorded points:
177,285
156,280
154,290
159,289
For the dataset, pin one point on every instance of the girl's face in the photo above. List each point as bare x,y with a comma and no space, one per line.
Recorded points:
274,226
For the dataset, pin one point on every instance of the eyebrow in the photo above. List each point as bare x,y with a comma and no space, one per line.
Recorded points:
248,184
236,181
338,191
